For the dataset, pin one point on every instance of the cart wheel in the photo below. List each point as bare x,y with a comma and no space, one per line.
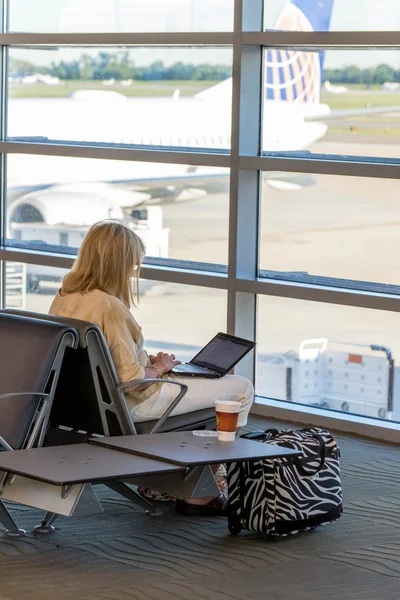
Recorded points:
234,525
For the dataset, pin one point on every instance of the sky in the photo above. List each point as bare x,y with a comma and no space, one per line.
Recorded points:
192,15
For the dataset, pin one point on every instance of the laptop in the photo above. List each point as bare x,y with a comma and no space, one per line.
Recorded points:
217,358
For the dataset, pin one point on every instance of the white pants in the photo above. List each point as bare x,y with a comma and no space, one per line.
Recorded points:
201,394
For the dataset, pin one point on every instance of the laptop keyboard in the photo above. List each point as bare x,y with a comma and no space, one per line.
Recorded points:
190,368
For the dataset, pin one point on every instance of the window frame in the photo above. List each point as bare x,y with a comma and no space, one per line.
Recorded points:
242,282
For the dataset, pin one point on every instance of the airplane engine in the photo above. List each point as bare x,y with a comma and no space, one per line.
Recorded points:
59,216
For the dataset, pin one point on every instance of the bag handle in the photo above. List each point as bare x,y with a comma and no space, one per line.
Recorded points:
298,461
322,450
271,432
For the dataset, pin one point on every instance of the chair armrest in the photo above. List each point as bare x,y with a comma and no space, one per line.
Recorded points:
136,382
174,403
10,394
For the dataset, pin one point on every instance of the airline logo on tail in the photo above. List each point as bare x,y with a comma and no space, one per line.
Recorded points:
292,75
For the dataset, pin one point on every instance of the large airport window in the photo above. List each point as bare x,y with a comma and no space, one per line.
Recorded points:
178,97
338,102
175,318
335,357
180,319
334,15
180,211
330,226
88,16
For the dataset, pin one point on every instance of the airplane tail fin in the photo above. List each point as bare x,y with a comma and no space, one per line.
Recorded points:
317,12
291,75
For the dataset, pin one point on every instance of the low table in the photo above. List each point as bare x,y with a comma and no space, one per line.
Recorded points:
186,449
59,479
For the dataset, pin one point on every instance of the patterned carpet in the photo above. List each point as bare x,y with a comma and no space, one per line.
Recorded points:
125,555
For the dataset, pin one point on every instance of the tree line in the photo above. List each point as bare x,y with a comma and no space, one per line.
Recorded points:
368,77
120,66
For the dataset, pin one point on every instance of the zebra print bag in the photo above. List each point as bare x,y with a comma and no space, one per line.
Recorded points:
280,496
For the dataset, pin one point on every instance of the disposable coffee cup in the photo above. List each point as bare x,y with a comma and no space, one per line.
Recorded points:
227,413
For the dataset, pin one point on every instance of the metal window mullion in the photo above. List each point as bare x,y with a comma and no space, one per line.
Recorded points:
246,264
5,16
234,181
244,186
300,39
155,273
307,40
185,277
325,294
2,284
385,169
110,152
117,39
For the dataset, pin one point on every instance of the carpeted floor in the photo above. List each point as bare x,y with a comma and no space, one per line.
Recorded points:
124,555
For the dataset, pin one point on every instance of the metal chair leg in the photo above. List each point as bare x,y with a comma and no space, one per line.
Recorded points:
124,490
12,531
46,526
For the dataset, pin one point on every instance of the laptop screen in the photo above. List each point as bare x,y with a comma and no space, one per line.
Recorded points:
222,353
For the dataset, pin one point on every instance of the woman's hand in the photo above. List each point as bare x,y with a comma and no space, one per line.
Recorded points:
164,362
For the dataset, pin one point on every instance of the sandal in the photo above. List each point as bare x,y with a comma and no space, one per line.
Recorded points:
217,507
154,495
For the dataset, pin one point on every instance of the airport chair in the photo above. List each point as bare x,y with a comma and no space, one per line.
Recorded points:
31,355
94,400
89,400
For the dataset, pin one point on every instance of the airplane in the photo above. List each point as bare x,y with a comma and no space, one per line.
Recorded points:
293,119
335,89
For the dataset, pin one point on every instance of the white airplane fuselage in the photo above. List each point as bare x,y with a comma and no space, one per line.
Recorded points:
182,123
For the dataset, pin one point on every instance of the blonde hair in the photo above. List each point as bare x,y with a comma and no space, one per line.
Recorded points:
108,260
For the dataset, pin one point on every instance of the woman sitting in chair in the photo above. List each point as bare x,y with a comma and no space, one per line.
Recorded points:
101,288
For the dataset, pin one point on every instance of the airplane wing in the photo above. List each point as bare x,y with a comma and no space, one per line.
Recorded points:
142,190
182,180
356,112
